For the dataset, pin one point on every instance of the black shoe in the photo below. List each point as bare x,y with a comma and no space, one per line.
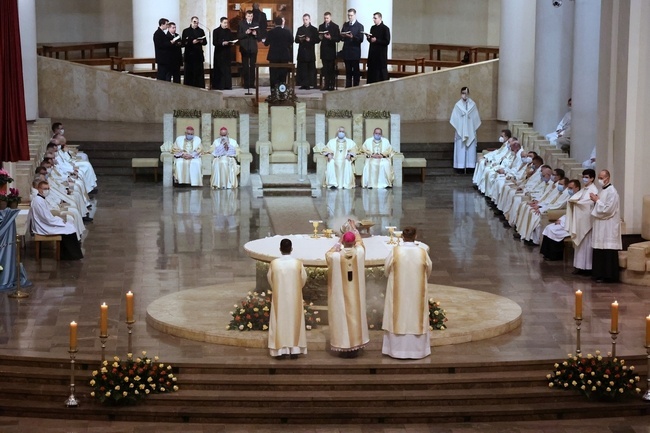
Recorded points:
294,356
332,187
94,191
576,271
530,243
87,219
516,235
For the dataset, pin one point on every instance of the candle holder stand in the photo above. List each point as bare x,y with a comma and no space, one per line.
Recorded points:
614,335
18,294
646,396
103,339
129,325
578,322
72,400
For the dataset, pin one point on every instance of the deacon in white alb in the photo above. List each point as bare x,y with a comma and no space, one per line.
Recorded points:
378,170
187,159
224,165
465,120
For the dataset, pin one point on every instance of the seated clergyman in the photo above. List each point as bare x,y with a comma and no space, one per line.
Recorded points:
378,170
187,159
224,165
340,153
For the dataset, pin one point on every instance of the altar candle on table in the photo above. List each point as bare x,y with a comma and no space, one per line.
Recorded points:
73,336
647,331
578,304
615,316
129,307
103,320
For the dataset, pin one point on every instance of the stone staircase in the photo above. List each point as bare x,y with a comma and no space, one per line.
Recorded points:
114,158
320,392
439,156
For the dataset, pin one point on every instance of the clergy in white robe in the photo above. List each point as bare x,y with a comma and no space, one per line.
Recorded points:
187,159
378,169
562,134
224,165
591,162
552,246
340,153
492,157
43,222
346,294
579,223
606,237
406,309
85,168
287,277
59,208
531,227
465,120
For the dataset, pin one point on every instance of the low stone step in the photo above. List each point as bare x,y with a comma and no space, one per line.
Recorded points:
290,192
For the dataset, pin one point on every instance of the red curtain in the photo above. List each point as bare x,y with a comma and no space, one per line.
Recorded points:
14,145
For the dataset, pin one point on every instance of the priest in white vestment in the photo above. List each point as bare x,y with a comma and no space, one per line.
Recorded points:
346,294
287,277
493,157
43,222
465,120
224,165
187,159
85,168
591,162
606,237
561,137
579,223
340,153
406,309
378,169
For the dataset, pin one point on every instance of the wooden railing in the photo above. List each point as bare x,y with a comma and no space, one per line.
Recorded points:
474,51
54,50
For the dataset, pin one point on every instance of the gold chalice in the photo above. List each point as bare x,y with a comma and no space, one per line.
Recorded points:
391,230
315,224
398,235
327,233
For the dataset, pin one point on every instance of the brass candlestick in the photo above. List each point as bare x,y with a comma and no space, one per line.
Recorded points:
72,400
18,294
578,322
103,339
646,396
129,325
614,335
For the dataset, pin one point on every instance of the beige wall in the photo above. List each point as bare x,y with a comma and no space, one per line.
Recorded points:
72,91
429,96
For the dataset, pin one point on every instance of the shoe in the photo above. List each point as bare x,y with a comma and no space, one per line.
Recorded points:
576,271
530,243
516,235
94,191
87,219
294,356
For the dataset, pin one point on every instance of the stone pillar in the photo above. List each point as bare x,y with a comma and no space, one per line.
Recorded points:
365,9
586,95
27,23
516,61
146,14
553,63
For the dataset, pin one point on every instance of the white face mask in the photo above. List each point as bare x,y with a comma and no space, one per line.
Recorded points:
501,139
341,135
601,182
45,192
527,159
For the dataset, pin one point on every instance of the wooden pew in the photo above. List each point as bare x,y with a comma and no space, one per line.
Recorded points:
53,50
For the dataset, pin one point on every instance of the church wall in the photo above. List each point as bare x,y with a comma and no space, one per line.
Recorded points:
72,91
429,96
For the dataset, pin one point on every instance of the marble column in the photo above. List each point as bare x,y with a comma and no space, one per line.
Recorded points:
27,23
516,61
553,63
585,94
365,10
146,14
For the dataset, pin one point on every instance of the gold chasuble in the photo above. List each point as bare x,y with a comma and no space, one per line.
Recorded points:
346,298
287,335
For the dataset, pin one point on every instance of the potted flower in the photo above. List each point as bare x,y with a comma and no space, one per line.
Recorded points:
13,198
3,201
4,178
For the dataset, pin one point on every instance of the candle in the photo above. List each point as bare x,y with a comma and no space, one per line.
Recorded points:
578,304
73,336
129,306
647,331
103,320
615,316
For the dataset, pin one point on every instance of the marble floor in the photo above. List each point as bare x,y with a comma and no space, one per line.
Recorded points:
156,241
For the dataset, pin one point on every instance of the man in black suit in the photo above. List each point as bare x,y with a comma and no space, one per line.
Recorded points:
221,37
352,36
280,43
193,41
379,39
330,35
306,38
174,73
248,37
261,19
161,46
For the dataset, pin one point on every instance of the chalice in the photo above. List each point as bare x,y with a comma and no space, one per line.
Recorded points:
315,224
398,235
327,233
391,230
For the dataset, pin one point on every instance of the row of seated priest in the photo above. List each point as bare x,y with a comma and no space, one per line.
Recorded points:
341,152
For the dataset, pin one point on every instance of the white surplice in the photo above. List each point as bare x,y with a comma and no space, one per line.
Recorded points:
579,224
188,170
465,120
564,127
43,222
224,165
377,172
607,221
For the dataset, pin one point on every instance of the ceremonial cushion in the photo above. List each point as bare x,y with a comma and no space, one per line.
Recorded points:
283,156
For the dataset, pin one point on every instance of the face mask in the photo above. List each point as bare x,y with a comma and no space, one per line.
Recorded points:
585,180
61,131
560,188
46,192
554,178
570,192
527,159
501,139
341,135
189,136
546,179
601,182
377,137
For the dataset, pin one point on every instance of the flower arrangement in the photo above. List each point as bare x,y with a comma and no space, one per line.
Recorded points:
4,177
127,382
13,196
437,316
596,377
252,314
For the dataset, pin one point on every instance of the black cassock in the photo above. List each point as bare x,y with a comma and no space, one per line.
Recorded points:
378,54
221,76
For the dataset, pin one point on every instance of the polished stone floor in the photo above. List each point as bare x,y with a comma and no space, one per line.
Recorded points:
156,241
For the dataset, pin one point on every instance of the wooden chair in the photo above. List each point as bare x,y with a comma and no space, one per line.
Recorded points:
47,238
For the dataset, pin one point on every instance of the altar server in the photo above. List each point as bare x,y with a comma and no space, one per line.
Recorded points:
224,165
406,310
465,120
187,163
287,276
606,239
579,223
